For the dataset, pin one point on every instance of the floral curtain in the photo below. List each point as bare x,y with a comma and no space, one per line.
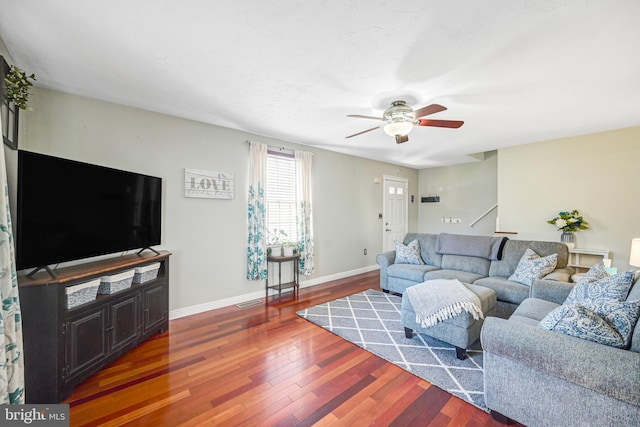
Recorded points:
11,360
304,217
257,215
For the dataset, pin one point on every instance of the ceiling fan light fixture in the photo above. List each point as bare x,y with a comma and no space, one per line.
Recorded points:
398,128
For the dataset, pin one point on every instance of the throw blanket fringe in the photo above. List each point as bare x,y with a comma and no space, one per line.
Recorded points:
437,300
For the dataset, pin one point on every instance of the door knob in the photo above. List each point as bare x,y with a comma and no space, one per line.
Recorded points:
388,229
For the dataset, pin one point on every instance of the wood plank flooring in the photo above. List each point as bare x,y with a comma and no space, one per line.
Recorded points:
264,366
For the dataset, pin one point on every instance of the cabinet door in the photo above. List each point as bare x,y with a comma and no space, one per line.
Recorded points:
156,308
125,321
86,344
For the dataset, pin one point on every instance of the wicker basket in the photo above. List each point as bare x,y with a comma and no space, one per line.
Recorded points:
82,293
116,282
146,273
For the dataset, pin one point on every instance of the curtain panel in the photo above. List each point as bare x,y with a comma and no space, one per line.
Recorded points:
257,214
304,212
11,358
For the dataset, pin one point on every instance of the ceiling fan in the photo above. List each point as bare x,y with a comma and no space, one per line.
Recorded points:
401,119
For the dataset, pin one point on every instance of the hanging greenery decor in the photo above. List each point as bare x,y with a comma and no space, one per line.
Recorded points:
17,85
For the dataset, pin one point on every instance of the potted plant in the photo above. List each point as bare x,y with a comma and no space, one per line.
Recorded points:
569,223
17,85
289,248
275,238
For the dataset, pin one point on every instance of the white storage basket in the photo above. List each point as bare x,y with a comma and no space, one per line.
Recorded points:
146,273
116,282
82,293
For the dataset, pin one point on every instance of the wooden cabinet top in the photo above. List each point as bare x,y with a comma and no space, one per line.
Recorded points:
75,272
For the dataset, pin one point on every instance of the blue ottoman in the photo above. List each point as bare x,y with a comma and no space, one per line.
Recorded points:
460,331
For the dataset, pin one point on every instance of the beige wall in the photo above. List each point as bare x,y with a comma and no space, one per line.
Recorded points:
598,174
208,237
466,192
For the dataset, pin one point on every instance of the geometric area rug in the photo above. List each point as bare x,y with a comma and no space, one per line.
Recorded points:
371,320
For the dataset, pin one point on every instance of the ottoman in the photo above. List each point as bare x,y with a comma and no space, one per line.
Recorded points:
460,331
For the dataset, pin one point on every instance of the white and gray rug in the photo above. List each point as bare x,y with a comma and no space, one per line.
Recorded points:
371,320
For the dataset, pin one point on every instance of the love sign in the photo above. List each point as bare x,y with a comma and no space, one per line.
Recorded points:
208,184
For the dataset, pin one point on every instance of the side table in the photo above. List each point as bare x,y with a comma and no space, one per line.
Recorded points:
295,284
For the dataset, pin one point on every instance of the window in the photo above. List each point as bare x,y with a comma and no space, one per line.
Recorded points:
280,195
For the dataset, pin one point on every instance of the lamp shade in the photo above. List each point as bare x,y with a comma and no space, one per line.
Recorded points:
634,258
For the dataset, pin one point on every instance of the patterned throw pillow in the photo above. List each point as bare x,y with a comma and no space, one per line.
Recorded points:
532,267
595,273
605,322
409,254
611,288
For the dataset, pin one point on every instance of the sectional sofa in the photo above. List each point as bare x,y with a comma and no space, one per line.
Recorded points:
535,376
480,271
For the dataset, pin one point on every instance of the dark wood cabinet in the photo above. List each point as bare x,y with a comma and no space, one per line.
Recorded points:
63,347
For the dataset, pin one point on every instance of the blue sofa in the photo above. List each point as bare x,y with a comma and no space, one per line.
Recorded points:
471,269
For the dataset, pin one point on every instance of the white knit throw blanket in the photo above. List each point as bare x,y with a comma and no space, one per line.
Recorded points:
436,300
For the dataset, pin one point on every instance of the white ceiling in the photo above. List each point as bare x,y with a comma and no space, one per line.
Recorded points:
515,71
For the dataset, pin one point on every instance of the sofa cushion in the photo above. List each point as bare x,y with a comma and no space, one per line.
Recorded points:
612,288
532,267
534,309
514,249
411,272
479,266
408,254
463,276
605,322
507,290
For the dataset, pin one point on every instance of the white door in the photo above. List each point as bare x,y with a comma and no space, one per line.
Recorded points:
395,216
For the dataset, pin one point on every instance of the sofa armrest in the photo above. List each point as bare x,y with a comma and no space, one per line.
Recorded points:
385,259
551,290
608,370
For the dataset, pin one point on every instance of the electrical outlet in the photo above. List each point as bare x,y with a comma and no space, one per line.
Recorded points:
447,220
365,251
456,220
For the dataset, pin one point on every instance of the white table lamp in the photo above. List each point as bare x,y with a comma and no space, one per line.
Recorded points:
634,257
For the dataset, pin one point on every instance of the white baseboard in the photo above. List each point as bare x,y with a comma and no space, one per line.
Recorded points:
200,308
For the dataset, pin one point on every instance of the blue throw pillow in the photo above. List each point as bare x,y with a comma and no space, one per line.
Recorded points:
606,322
595,273
408,254
532,267
611,288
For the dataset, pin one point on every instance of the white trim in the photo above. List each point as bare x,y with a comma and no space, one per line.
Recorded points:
212,305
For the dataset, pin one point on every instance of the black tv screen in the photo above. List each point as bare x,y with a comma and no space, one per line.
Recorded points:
69,210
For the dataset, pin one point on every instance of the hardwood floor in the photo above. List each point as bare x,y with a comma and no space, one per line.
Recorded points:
263,365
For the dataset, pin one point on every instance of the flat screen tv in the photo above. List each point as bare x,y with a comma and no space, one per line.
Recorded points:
69,210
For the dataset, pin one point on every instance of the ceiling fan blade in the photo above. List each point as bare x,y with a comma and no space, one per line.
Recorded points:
360,116
401,138
429,109
364,131
440,123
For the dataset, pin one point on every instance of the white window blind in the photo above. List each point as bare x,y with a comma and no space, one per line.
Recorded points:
280,195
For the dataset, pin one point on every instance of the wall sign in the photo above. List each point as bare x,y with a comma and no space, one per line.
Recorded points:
208,184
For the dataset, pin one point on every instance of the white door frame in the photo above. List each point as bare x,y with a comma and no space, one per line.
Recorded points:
385,180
